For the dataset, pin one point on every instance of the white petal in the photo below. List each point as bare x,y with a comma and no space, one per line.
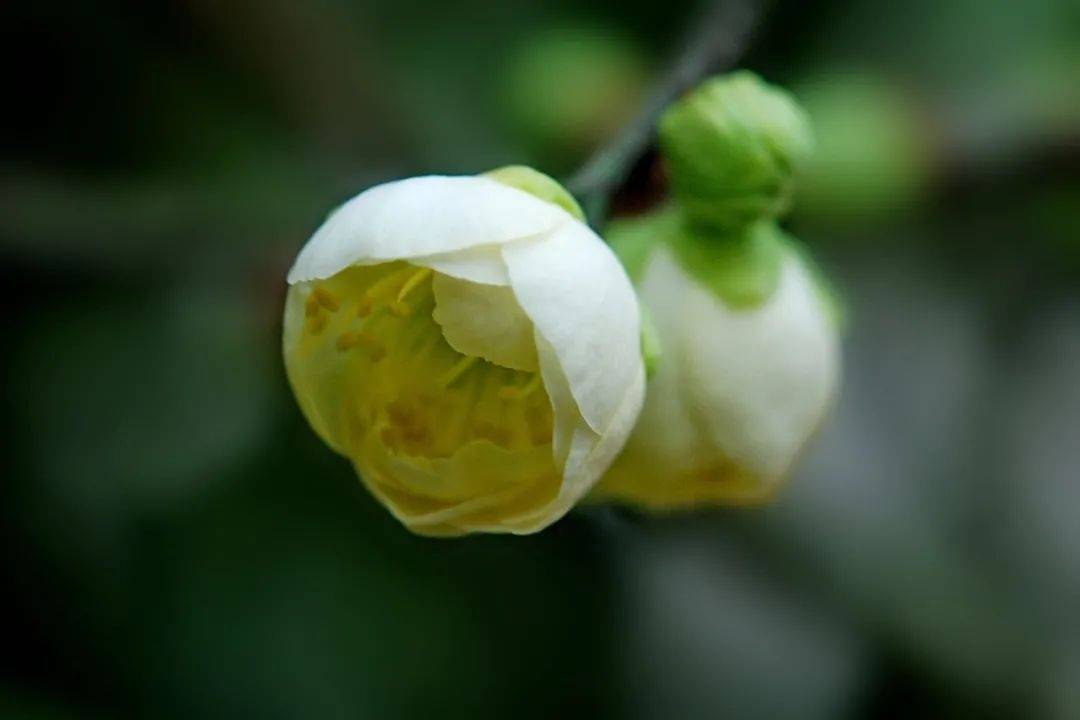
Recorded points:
484,321
665,430
565,414
588,458
483,264
586,463
576,293
422,216
754,383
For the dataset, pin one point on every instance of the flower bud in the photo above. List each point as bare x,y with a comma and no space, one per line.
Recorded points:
471,348
741,386
733,146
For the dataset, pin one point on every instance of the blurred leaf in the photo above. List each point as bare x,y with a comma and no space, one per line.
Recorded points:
19,706
567,90
135,227
878,516
291,597
142,400
871,160
708,636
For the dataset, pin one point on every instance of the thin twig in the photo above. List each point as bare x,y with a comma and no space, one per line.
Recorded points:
714,43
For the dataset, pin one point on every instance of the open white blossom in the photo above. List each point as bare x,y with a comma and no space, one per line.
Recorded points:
737,393
471,348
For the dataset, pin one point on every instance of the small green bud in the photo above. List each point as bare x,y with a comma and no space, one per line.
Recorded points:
733,147
538,185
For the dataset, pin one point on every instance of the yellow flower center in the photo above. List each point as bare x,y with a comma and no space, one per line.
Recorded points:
426,426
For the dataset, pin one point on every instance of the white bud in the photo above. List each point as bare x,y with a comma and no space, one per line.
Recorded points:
737,394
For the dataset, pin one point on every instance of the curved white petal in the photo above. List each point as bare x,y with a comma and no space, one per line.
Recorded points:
588,458
577,294
484,321
753,384
482,264
586,463
422,216
565,413
591,454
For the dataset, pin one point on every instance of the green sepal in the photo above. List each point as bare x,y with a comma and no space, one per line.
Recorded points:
538,185
652,350
632,238
742,268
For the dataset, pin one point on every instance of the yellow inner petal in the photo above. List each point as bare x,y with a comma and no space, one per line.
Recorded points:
485,321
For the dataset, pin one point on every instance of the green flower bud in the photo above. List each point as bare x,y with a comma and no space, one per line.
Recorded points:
733,147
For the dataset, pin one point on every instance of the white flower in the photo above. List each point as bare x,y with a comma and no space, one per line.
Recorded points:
473,349
737,393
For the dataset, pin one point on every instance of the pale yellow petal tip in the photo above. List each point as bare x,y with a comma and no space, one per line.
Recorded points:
723,484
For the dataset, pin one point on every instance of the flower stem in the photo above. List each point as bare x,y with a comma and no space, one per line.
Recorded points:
714,43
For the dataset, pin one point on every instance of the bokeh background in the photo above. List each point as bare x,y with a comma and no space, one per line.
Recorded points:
178,544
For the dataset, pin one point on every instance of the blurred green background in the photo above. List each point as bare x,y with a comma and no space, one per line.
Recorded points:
178,544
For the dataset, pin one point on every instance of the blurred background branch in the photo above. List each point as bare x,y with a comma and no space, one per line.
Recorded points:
714,43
